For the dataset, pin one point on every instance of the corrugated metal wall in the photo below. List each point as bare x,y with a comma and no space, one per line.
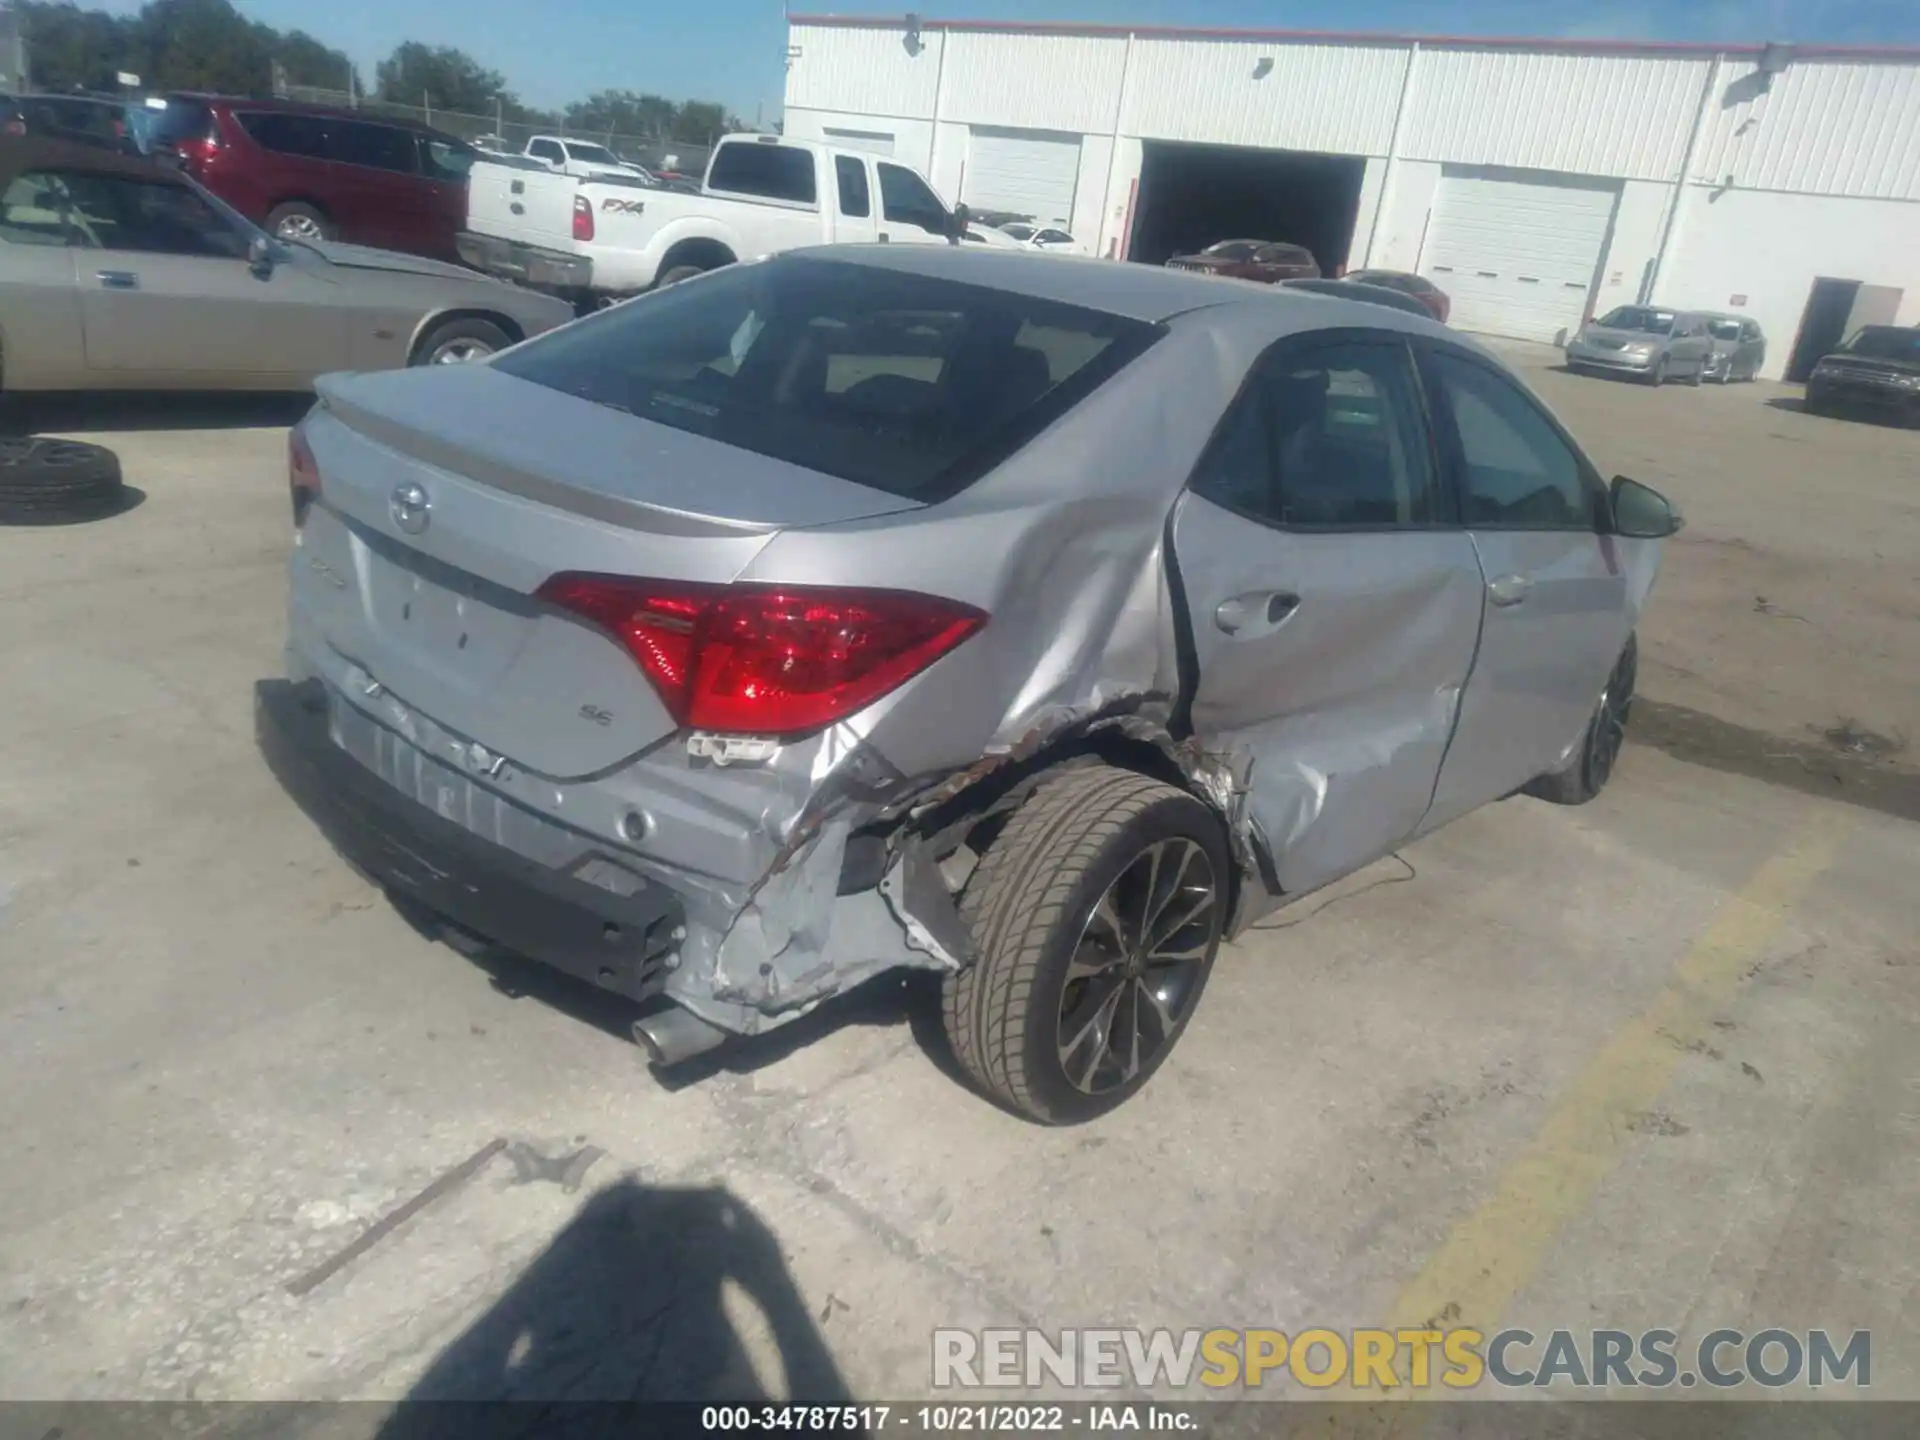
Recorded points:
862,71
1581,114
1037,82
1827,127
1334,98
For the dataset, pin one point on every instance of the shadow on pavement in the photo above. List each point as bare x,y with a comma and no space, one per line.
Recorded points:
648,1294
104,412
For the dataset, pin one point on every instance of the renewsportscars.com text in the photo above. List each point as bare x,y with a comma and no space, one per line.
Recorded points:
1387,1360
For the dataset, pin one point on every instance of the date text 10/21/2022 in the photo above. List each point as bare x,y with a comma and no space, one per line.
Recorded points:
949,1419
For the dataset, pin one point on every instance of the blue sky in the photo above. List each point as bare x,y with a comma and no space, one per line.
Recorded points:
552,51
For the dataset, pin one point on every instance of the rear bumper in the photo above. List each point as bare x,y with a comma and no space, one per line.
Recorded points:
528,264
621,943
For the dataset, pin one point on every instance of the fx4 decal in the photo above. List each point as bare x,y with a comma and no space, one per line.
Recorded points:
623,207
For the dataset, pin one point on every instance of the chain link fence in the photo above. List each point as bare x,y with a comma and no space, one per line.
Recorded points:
491,132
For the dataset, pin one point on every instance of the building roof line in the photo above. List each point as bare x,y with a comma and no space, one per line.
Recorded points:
1882,53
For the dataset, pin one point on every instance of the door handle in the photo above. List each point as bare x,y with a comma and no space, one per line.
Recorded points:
1509,589
118,279
882,237
1261,610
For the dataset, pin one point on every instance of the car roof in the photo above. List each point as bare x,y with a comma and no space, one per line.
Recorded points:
1151,293
32,152
297,107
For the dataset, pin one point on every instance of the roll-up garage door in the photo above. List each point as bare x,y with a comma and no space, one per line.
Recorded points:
1026,172
1518,250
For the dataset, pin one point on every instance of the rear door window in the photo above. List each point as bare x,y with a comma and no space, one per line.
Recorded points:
184,120
777,172
378,147
851,174
285,133
909,385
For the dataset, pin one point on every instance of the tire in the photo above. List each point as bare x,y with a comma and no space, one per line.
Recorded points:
297,220
677,274
42,481
1657,376
1069,873
1600,743
455,342
1699,374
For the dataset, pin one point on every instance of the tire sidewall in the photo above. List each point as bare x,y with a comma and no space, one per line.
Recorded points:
1172,816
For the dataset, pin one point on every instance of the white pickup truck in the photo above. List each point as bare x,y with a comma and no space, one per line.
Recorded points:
602,238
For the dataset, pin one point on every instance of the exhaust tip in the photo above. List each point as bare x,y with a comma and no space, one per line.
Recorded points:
674,1035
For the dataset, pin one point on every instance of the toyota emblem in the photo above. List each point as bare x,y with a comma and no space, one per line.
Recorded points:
410,507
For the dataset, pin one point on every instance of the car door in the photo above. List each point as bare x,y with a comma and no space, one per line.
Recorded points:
1331,601
40,341
853,219
376,172
1556,590
1694,343
910,213
168,295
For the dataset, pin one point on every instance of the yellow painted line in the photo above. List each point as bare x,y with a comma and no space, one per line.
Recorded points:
1492,1253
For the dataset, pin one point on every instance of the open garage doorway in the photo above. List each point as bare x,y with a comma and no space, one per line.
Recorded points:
1193,195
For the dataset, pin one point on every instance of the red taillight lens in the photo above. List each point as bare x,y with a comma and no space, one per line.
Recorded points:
303,475
582,218
764,659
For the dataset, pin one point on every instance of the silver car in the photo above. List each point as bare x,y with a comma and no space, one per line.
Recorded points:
117,273
1650,342
1739,348
1038,622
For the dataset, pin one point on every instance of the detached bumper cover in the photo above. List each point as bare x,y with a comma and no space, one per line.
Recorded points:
620,943
528,264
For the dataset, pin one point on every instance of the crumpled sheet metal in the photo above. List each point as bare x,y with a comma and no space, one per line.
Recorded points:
795,941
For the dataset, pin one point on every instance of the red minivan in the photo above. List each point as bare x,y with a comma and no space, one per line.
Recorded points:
306,172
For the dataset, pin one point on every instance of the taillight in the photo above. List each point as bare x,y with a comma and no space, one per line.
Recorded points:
16,126
303,475
582,218
764,659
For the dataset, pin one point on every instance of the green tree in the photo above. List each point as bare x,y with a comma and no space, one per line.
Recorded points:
171,45
699,122
446,78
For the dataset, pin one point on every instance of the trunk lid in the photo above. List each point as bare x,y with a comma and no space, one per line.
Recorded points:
435,603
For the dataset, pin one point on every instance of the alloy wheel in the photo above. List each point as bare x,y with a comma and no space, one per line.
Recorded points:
1609,730
1138,965
459,352
299,227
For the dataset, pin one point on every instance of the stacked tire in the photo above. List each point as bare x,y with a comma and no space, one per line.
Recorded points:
46,482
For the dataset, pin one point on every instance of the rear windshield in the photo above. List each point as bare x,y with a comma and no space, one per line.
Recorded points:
1639,317
182,120
908,385
598,154
749,167
1886,342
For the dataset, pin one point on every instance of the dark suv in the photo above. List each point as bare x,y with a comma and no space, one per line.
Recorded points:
311,173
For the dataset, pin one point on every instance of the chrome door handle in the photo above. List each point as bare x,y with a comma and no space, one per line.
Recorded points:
118,279
1509,589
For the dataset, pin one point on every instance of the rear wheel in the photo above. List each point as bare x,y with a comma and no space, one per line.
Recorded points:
297,220
1096,916
454,342
679,273
1600,746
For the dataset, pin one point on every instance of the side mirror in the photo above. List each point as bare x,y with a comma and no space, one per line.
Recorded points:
260,253
1642,513
961,219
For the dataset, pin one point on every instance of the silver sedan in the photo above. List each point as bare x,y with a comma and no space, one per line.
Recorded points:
120,274
1650,342
1033,620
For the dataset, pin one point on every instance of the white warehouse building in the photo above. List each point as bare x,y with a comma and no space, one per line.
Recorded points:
1537,182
